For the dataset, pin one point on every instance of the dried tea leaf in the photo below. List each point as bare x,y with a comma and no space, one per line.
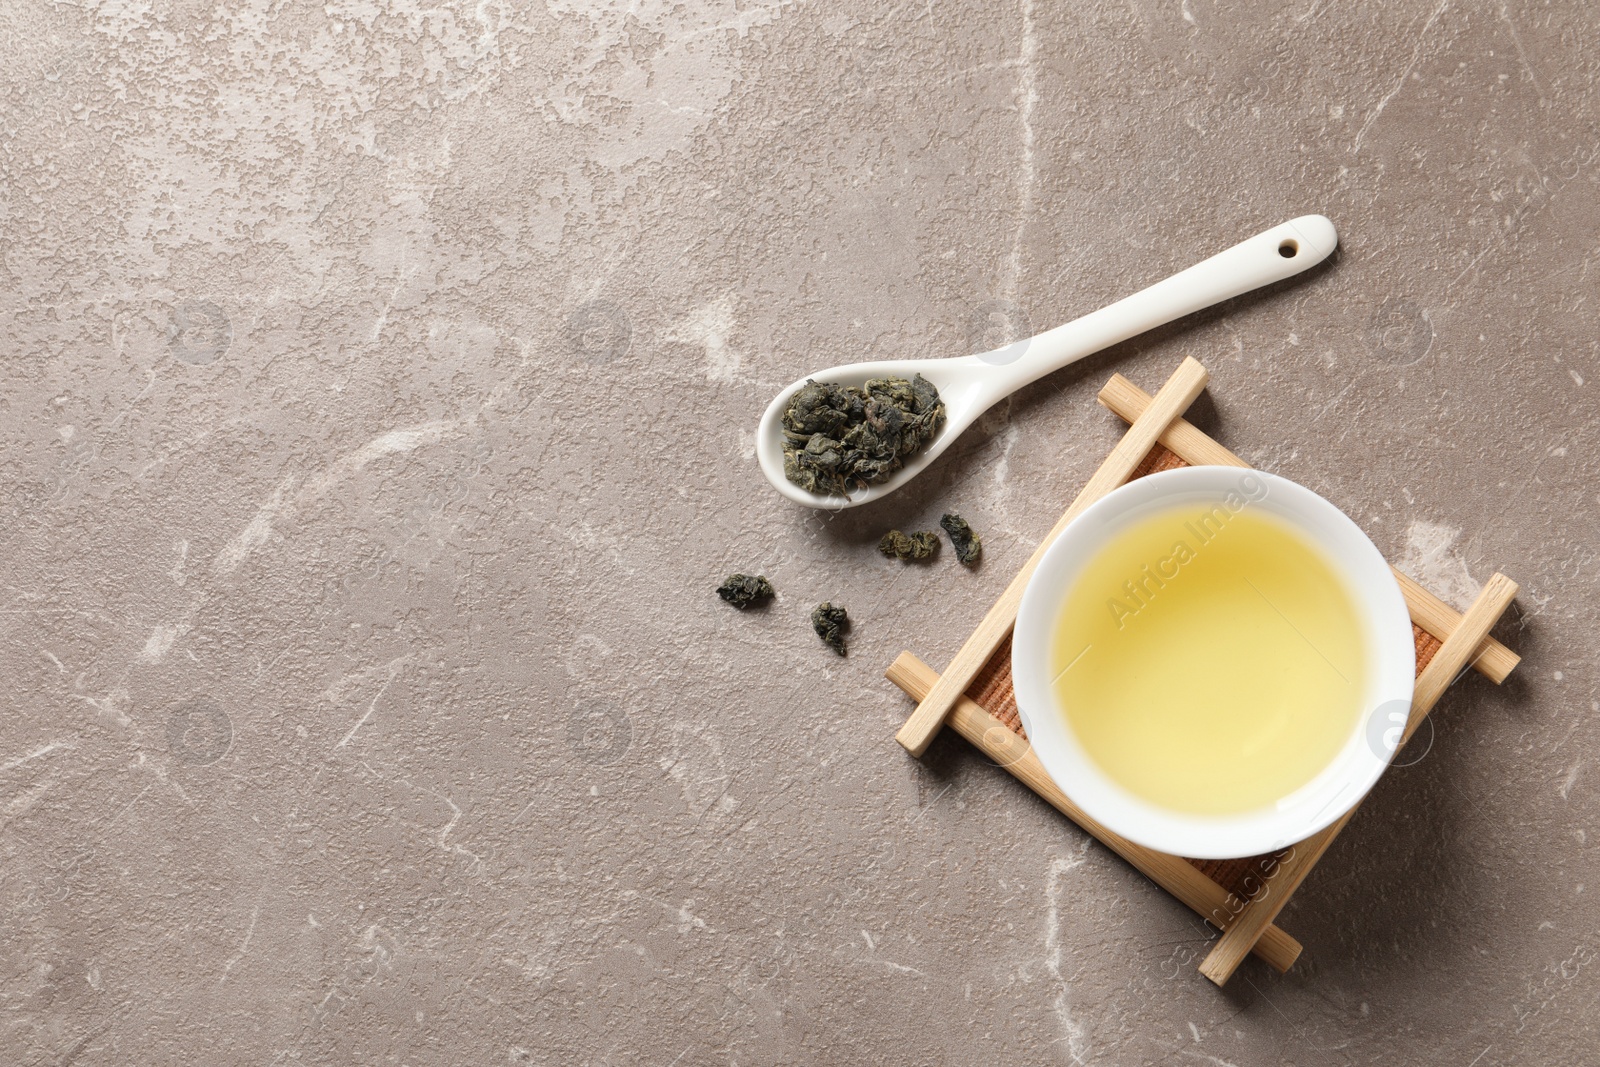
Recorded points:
745,590
836,439
968,545
830,623
897,545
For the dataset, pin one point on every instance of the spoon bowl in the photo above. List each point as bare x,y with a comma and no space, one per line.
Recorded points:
964,384
970,385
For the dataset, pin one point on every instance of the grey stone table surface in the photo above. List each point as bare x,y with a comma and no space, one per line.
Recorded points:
377,392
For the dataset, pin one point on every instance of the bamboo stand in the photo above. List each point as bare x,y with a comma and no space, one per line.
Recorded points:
1241,897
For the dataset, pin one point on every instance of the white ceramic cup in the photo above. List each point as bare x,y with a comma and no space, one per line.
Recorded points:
1336,789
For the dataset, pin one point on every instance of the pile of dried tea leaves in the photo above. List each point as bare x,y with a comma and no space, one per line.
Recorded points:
903,546
830,622
837,439
745,590
968,545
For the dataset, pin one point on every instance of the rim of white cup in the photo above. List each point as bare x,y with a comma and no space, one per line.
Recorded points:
1339,786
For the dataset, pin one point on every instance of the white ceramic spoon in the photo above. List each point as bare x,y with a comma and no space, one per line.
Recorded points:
968,385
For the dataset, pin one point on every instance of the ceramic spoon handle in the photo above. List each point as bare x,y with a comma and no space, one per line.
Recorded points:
1278,253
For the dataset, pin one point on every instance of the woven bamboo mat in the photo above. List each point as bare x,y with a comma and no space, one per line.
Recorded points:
1241,897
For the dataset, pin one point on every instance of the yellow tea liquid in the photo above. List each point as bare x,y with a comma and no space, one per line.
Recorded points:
1210,662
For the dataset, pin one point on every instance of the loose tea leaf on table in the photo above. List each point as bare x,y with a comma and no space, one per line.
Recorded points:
830,623
968,545
745,590
897,545
837,439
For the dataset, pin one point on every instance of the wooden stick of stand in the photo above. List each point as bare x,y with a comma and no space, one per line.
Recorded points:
1452,658
1177,876
1492,659
1173,400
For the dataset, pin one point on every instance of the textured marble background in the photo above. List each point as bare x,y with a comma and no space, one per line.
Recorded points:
376,397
